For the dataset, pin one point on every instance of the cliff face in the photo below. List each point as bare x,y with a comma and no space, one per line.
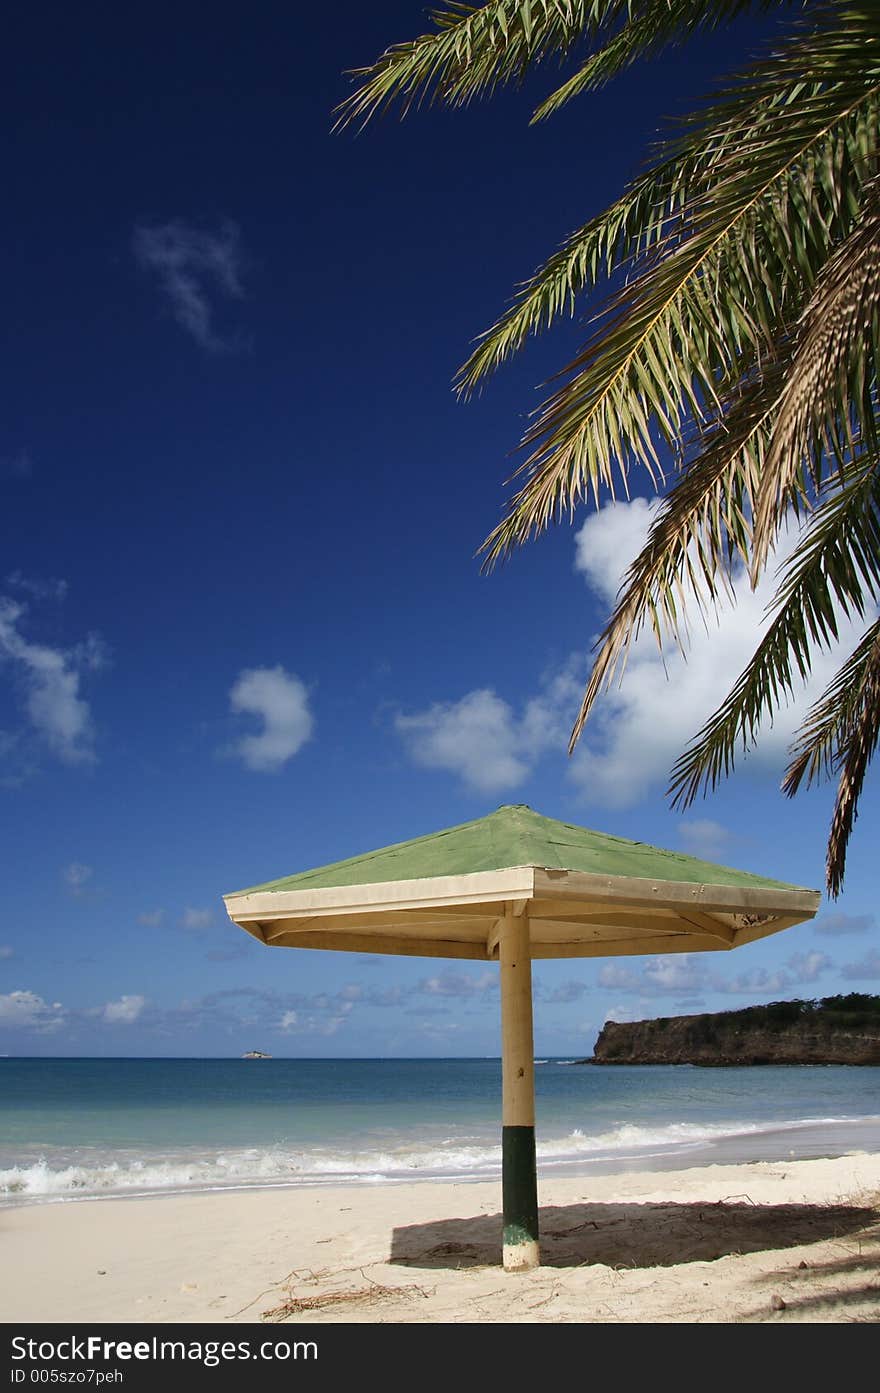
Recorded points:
798,1033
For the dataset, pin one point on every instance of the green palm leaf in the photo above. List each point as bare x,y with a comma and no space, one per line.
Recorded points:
677,332
703,524
832,378
741,341
650,29
835,571
841,735
475,49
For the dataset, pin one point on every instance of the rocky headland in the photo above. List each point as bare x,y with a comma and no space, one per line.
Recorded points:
835,1030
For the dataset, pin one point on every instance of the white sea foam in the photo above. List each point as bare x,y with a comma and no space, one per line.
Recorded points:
96,1175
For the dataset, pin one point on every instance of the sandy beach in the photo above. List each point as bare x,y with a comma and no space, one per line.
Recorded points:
769,1241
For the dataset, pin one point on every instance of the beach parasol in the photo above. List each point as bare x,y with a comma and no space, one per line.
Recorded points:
509,888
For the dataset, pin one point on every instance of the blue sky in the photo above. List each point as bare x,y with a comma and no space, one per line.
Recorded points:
242,630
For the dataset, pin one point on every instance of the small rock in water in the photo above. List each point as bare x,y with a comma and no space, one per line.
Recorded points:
776,1302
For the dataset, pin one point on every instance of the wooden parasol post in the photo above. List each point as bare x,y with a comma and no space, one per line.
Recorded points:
519,1176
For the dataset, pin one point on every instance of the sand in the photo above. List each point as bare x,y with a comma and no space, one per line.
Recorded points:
770,1241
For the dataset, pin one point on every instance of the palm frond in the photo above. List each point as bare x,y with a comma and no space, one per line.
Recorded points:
639,219
677,332
646,215
742,333
474,50
841,735
650,29
828,408
657,205
703,525
814,751
835,571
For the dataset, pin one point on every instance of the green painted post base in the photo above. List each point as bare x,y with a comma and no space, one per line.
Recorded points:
520,1192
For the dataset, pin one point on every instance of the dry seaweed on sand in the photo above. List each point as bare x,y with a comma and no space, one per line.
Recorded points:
374,1292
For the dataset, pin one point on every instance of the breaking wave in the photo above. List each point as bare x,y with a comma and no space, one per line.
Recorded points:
108,1174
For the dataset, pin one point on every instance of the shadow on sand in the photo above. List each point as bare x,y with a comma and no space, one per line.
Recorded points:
845,1287
632,1235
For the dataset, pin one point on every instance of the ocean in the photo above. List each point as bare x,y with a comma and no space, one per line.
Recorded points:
79,1128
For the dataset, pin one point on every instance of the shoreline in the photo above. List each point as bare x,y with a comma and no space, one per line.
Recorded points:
713,1242
810,1139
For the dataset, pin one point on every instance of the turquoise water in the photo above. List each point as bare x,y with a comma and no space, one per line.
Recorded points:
71,1128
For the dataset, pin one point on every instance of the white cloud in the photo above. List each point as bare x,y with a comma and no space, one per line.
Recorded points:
440,1030
683,974
866,969
808,967
77,877
125,1011
383,996
23,1009
675,972
562,994
197,918
758,982
638,729
483,740
609,541
476,738
547,718
192,266
327,1027
456,984
292,1022
619,977
799,970
702,837
46,588
50,682
836,925
282,702
151,919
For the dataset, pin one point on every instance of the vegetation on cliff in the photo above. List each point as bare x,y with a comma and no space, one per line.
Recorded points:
834,1030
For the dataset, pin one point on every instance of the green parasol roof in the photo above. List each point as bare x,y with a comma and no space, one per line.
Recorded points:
585,892
516,835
